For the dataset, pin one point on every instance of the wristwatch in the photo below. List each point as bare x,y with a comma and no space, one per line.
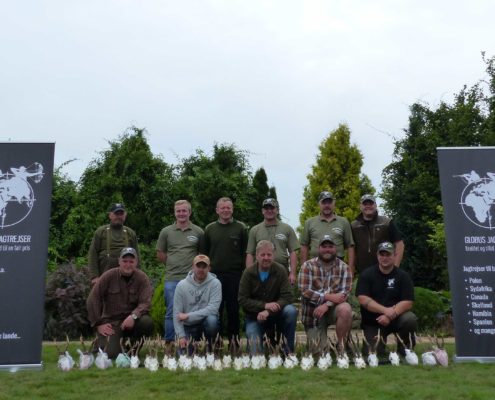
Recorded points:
134,316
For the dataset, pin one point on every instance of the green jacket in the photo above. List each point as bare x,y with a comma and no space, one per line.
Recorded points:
254,294
106,245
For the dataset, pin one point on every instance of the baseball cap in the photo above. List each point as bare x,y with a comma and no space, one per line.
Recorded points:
201,258
324,196
326,238
128,250
270,202
368,197
386,246
116,207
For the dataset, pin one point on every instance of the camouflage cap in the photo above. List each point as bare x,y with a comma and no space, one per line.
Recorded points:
386,246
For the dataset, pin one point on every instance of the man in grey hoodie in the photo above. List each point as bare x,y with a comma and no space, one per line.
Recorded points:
196,302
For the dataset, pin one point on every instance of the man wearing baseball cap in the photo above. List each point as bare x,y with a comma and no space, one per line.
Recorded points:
386,296
327,223
282,236
119,304
325,283
108,240
369,229
196,302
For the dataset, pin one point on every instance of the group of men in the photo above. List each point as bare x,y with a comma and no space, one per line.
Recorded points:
228,267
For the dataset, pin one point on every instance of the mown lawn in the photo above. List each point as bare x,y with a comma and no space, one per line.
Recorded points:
458,381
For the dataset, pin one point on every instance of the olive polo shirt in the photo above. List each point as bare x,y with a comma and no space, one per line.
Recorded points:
280,234
317,227
181,246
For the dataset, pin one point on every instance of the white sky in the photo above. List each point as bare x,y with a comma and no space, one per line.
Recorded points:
272,77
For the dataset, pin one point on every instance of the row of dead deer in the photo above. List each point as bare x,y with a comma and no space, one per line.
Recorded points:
200,356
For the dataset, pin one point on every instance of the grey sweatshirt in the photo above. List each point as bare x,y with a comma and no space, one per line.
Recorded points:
196,299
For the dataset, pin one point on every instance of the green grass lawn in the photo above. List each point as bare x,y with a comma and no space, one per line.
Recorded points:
458,381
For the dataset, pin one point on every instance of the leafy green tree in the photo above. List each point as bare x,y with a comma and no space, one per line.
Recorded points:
338,170
260,186
64,199
126,172
204,179
411,187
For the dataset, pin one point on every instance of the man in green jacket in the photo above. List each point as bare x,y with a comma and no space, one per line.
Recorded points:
265,295
108,241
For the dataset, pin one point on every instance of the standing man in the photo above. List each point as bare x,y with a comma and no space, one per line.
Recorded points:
119,303
176,247
369,230
108,241
196,302
386,296
225,242
327,223
325,283
281,235
266,296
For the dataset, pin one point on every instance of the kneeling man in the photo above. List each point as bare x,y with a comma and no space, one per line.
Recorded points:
119,304
325,283
196,302
386,296
265,295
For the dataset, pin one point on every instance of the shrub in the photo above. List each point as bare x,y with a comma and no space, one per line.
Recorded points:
149,264
158,308
67,289
431,308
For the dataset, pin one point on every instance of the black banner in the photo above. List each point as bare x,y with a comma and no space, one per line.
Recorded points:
467,180
26,171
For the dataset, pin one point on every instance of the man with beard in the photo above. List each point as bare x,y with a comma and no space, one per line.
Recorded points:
119,304
327,223
325,283
369,230
108,241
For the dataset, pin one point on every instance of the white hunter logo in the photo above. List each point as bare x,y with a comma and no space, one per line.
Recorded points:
391,283
16,194
478,198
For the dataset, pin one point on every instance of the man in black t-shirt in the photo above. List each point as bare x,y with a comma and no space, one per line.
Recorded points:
386,296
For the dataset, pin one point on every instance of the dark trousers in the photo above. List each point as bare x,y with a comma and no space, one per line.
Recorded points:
230,290
405,325
143,327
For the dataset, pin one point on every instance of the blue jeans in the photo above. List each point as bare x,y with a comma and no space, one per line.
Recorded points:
283,322
168,293
210,327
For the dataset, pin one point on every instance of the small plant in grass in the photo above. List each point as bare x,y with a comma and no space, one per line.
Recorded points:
158,308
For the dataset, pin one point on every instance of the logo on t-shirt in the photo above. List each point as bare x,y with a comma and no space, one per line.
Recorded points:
193,239
281,236
391,283
338,231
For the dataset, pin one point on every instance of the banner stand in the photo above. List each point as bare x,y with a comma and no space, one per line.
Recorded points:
26,173
21,367
467,180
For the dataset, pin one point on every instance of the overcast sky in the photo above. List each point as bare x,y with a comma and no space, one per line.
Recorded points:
272,77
